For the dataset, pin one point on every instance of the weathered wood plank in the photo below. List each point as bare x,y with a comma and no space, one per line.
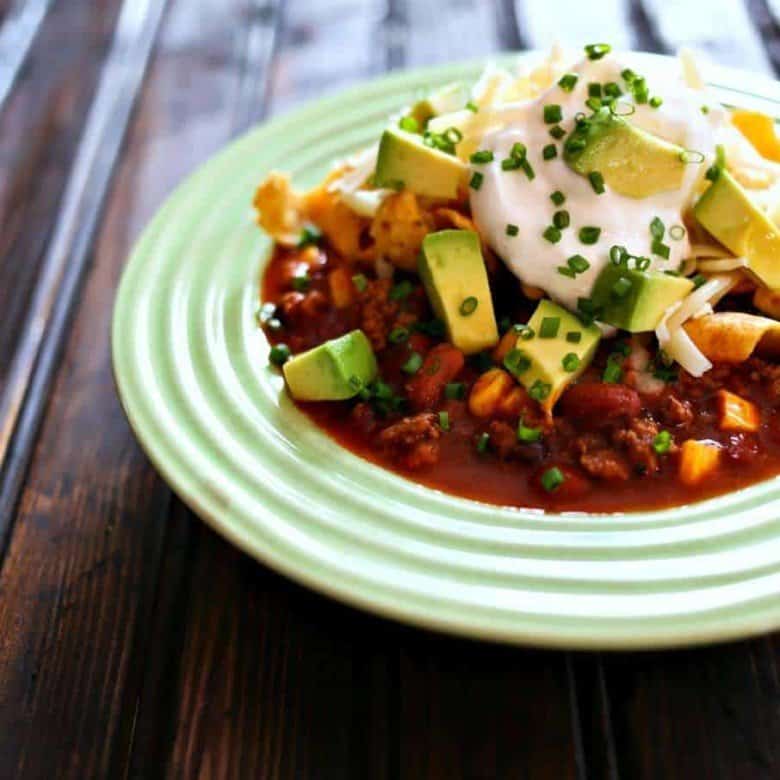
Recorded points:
700,713
25,392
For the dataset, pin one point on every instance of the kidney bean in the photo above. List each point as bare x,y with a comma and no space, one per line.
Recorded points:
592,404
441,365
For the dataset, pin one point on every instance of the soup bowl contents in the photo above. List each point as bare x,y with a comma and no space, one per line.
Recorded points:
558,288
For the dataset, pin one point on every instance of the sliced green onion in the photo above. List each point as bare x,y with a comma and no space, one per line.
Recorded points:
626,109
310,234
618,255
482,442
642,263
472,106
596,51
597,182
510,164
540,390
564,270
552,479
698,281
568,81
482,156
691,156
279,354
677,232
578,263
476,180
594,104
301,281
657,228
512,230
410,124
398,335
558,198
412,365
611,89
613,373
360,282
525,332
662,442
570,362
561,219
516,362
526,434
589,234
622,287
529,171
550,152
518,151
549,327
444,421
552,234
552,114
574,336
468,306
660,249
594,89
628,75
655,102
454,391
452,135
557,132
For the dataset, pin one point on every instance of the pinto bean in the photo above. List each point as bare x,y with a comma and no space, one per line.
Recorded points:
593,403
441,365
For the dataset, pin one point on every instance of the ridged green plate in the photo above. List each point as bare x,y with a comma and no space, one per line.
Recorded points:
192,371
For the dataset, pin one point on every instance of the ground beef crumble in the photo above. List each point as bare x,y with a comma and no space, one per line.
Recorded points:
377,312
413,442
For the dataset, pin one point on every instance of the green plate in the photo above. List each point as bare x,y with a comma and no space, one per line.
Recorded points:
192,370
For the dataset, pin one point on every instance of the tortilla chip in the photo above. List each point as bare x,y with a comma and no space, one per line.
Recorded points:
732,337
278,208
399,229
341,226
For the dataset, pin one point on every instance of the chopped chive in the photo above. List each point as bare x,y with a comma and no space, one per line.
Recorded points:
540,390
552,234
401,290
279,354
578,263
691,156
549,327
564,270
628,75
557,132
410,124
657,228
655,102
482,442
310,234
512,230
552,479
398,335
611,89
482,156
476,180
360,282
412,365
444,421
698,281
468,306
618,255
454,391
472,106
596,51
662,442
660,249
518,151
613,373
596,181
570,362
516,362
558,198
529,171
550,152
593,103
677,232
594,89
526,434
589,234
552,114
622,287
574,336
510,164
568,81
525,332
561,219
301,281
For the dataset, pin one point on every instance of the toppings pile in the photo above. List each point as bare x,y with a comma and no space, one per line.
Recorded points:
573,272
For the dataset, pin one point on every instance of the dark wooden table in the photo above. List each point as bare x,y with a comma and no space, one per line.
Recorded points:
133,641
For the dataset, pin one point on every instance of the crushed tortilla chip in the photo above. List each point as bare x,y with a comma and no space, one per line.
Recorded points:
399,229
340,224
278,208
732,337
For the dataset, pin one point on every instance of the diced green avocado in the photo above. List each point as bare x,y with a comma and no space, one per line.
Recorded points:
451,97
636,300
633,162
453,272
543,363
333,371
405,161
726,211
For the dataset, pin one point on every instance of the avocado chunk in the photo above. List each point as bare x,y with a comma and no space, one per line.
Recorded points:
333,371
636,300
453,272
451,97
405,161
633,162
726,211
551,352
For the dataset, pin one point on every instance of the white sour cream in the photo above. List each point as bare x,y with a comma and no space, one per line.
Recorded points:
510,198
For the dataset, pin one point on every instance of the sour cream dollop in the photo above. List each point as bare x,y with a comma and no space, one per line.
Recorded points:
511,198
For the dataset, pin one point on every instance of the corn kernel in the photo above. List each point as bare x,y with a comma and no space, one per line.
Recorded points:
736,413
487,392
697,460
